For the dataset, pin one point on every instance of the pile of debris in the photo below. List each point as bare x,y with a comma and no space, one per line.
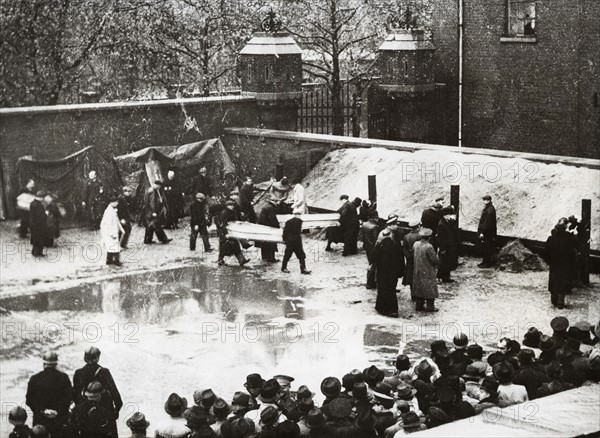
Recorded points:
515,257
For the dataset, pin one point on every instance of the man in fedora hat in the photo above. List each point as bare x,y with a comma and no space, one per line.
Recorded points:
425,287
331,388
487,232
268,217
316,422
372,376
488,394
229,247
402,363
387,256
138,425
49,395
548,347
292,237
92,417
559,325
370,231
174,200
556,383
338,413
93,371
561,255
268,397
531,338
508,392
17,417
254,384
408,243
240,404
411,423
529,374
221,410
305,405
175,426
447,247
199,222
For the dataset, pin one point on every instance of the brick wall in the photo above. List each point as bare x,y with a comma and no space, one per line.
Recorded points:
537,96
531,97
117,128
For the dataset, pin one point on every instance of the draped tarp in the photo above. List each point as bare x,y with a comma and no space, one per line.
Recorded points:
67,176
149,164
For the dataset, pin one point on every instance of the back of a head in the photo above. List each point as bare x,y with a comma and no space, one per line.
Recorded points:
39,431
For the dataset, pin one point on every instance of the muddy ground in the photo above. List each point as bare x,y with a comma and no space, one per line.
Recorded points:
170,350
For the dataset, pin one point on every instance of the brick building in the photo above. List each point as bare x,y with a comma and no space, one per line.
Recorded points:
531,74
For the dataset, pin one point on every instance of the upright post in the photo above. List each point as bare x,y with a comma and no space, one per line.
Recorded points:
279,171
455,201
584,233
373,188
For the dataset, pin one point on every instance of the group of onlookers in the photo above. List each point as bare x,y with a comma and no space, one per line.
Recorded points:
451,384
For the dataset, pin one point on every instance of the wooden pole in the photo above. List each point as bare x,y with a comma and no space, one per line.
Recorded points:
455,201
372,188
584,234
279,171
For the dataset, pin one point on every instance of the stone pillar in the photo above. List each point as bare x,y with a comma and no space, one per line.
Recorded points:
270,68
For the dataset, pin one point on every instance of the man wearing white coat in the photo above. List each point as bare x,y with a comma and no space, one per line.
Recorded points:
298,199
110,227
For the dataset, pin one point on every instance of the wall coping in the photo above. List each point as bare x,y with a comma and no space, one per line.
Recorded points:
121,105
354,142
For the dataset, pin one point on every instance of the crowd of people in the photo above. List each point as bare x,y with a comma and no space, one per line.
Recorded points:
450,384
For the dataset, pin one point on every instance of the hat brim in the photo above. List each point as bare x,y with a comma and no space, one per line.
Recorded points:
268,399
382,396
413,392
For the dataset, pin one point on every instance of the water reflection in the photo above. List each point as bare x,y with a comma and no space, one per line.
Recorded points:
159,297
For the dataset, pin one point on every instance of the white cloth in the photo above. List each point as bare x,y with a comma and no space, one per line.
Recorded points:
109,230
299,203
510,394
172,428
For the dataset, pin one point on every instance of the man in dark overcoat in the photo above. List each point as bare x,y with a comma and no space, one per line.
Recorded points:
49,395
408,243
561,254
229,247
447,251
487,232
124,214
92,371
370,232
94,200
268,217
247,200
386,256
203,184
38,224
154,213
199,222
174,200
425,287
431,217
292,237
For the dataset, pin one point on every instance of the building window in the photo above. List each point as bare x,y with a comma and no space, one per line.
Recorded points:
405,69
249,73
521,18
267,74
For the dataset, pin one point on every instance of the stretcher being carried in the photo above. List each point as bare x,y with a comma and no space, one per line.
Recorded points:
263,233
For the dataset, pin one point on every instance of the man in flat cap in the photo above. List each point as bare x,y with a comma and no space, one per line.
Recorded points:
49,394
487,232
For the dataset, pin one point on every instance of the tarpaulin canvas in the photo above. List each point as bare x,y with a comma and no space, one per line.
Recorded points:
142,167
67,177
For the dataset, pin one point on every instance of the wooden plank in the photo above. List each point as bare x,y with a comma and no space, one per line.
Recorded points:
310,221
254,232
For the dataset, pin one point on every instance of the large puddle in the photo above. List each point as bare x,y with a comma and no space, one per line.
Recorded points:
188,328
